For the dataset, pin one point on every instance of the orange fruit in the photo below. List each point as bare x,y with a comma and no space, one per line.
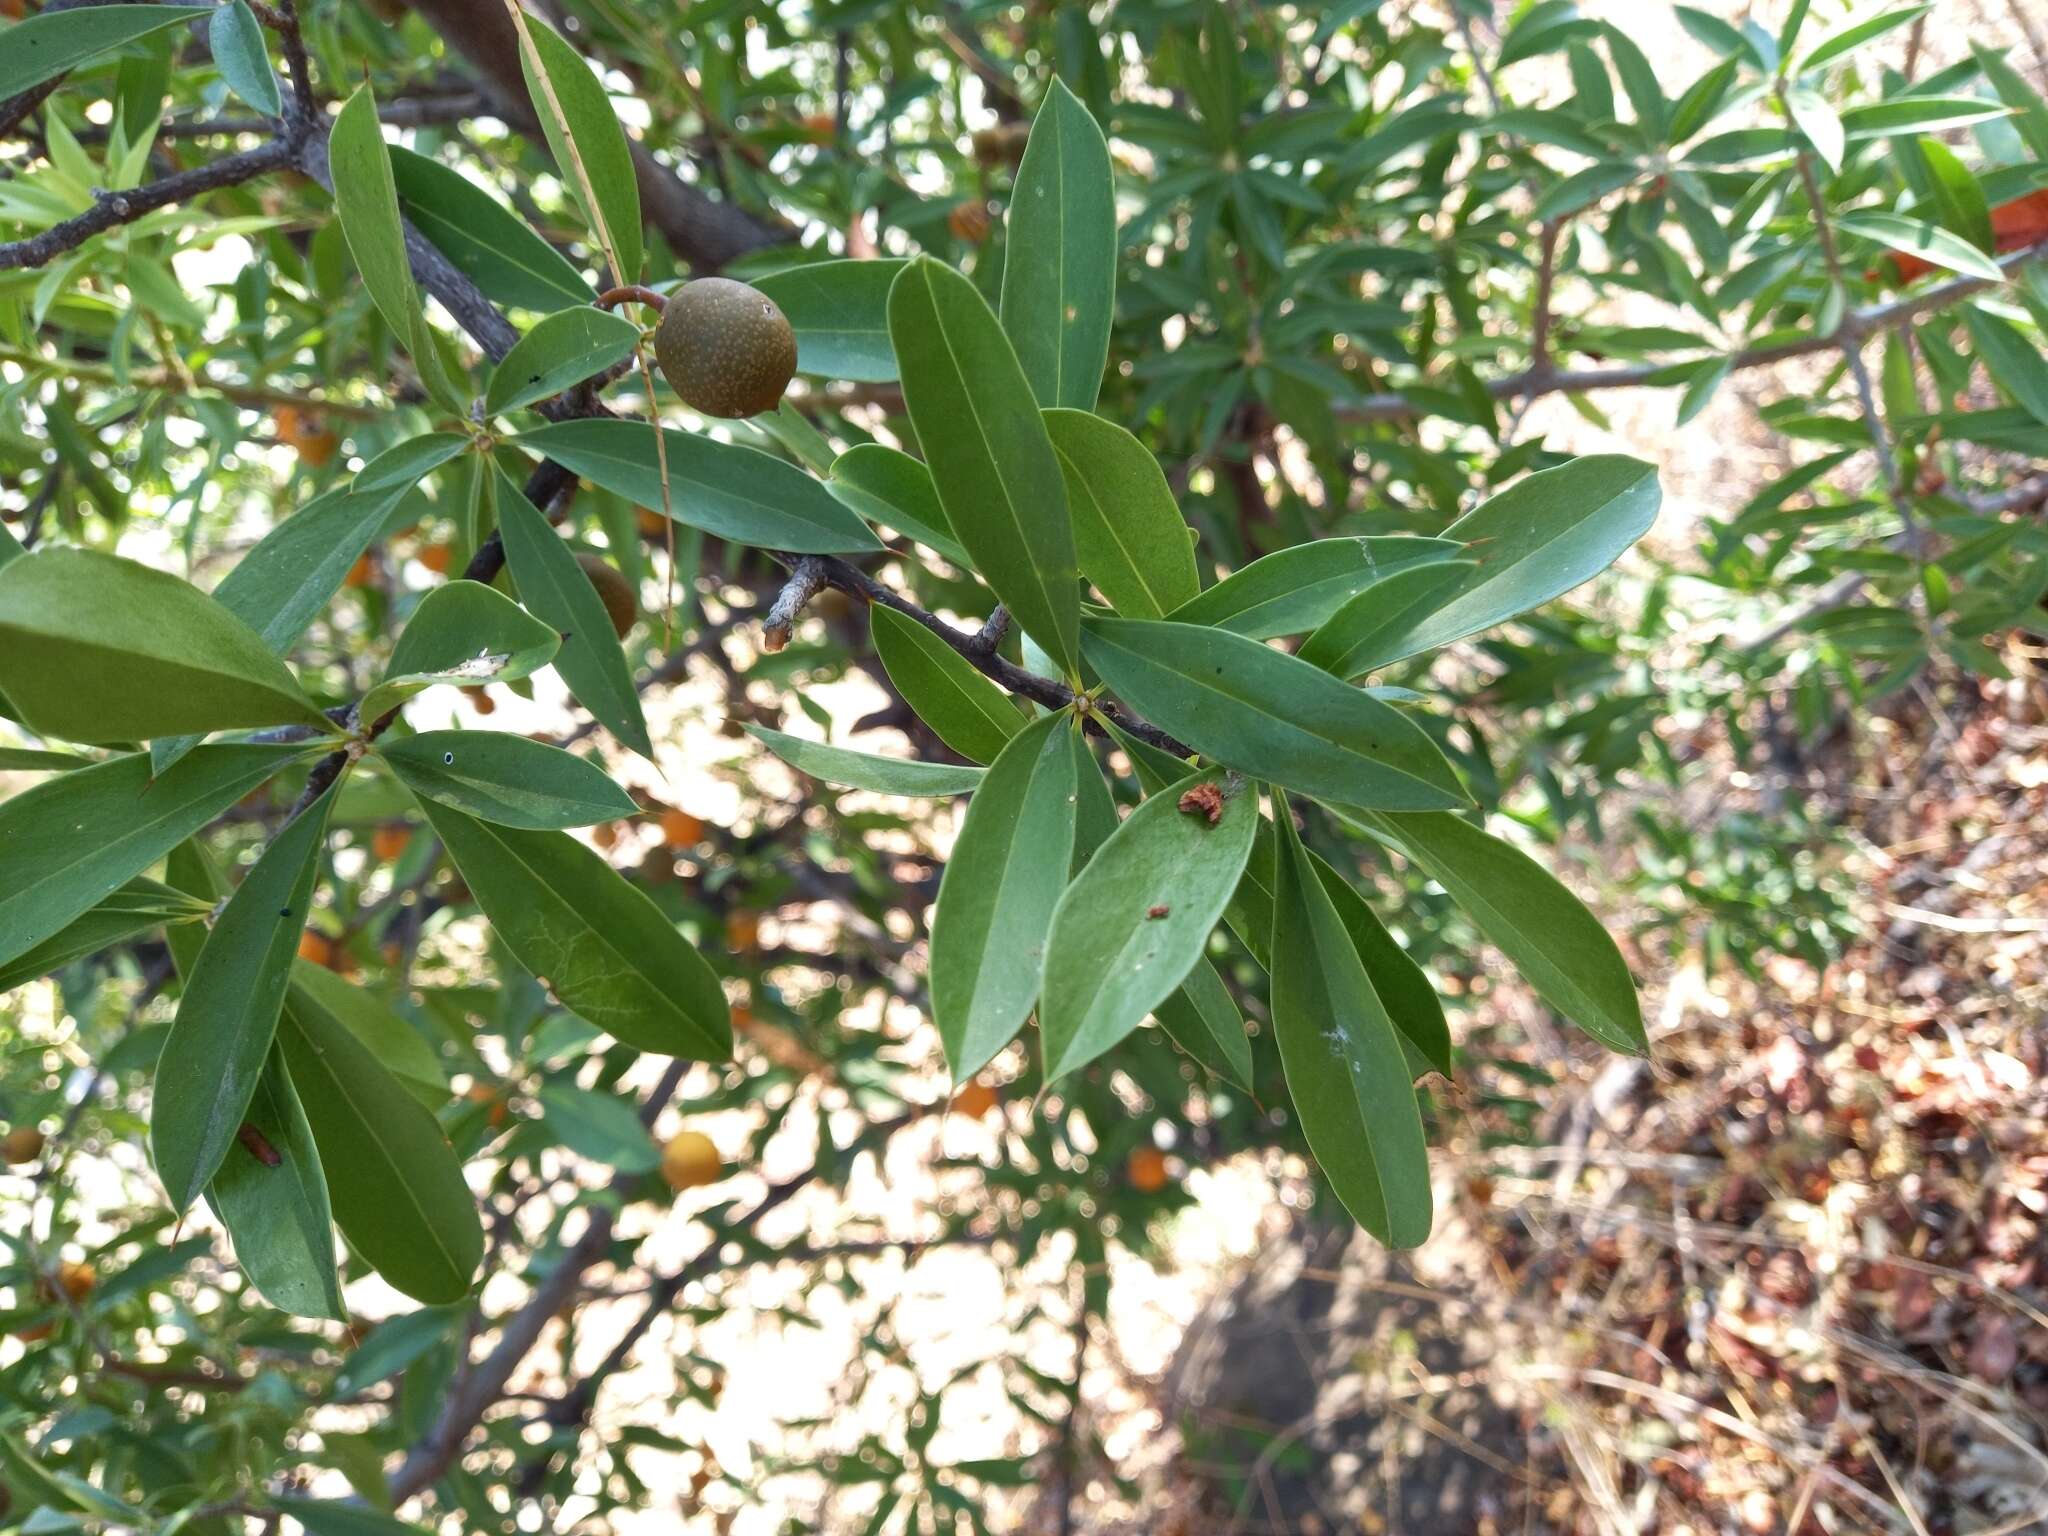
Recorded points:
976,1098
436,558
679,829
32,1335
292,424
605,834
317,451
316,947
492,1096
651,523
820,127
690,1159
76,1280
23,1144
969,221
742,930
359,573
480,700
387,843
13,9
1147,1170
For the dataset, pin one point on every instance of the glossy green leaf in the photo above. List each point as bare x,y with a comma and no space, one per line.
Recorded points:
1137,920
98,649
506,779
400,1048
492,246
463,633
274,1203
985,442
325,1517
35,760
1848,38
228,1013
562,349
1818,122
1059,271
1401,985
398,1193
366,201
2015,362
1357,637
584,135
1583,188
737,493
866,770
1202,1018
135,908
1128,532
2029,109
840,313
11,548
1526,912
1345,1069
597,943
1296,589
1271,715
1536,540
401,467
997,895
235,38
599,1126
1915,114
45,46
1922,238
556,590
888,486
969,713
68,843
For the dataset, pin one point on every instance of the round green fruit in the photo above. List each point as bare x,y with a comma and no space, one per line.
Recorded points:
725,347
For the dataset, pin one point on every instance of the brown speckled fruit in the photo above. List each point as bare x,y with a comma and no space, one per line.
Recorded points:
725,347
617,592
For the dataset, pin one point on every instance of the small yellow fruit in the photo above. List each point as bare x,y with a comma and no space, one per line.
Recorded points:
1147,1170
690,1159
652,524
76,1280
742,931
975,1099
316,947
23,1144
437,558
620,605
725,347
679,829
387,843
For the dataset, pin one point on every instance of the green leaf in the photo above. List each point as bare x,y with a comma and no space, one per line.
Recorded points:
45,46
228,1014
866,770
464,633
1639,80
506,779
1345,1069
1203,1020
324,1517
1129,534
395,1043
492,246
1916,237
969,713
737,493
986,445
1059,272
554,587
1536,540
998,892
1136,922
586,140
98,649
1271,715
1706,377
235,38
888,486
562,349
598,944
1543,929
2016,363
33,760
1401,985
1296,589
1355,639
2030,111
1847,39
274,1203
11,548
1958,199
366,201
69,842
1916,114
402,1203
840,313
1818,122
599,1126
401,467
1583,188
135,908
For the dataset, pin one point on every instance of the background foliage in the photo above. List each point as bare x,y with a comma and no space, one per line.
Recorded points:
1361,252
